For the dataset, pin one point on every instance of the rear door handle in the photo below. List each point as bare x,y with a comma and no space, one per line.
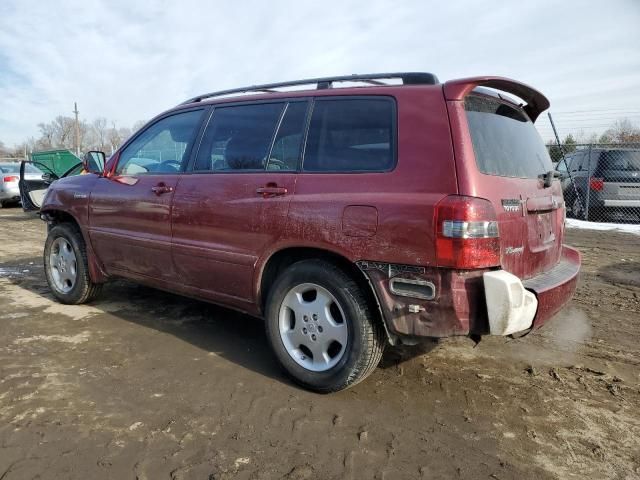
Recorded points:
161,188
270,191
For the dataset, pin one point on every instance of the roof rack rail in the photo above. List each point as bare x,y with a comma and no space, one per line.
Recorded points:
408,78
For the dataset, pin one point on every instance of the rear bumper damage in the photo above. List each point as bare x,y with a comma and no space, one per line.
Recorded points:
469,302
510,307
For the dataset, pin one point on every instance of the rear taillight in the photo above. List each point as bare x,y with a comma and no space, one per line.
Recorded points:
596,184
11,178
467,233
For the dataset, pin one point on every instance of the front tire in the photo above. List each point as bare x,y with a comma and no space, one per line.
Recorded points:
66,266
322,327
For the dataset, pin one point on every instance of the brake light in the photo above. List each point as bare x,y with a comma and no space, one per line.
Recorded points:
467,233
10,178
596,184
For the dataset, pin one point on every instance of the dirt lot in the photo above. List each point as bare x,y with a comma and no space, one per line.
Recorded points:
143,384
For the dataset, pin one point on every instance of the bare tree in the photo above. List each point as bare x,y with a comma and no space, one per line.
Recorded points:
138,125
46,135
113,137
63,132
87,136
623,131
99,127
22,150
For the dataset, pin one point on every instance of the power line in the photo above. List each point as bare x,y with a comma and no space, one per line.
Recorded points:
597,110
597,115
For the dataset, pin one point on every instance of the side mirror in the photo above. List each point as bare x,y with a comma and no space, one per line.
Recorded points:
93,162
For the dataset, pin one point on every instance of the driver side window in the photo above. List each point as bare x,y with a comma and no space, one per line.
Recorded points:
161,148
562,165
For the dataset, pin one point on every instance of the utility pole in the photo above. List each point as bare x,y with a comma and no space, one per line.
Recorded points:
75,110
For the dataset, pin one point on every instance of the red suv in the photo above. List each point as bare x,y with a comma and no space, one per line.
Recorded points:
388,210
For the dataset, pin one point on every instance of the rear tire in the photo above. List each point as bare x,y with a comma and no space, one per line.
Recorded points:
66,266
322,328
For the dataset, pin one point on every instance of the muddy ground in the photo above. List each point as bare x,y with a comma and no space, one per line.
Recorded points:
144,384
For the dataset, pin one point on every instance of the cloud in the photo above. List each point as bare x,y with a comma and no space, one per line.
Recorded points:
129,60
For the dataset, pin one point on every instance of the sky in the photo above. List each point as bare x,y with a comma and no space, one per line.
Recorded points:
129,60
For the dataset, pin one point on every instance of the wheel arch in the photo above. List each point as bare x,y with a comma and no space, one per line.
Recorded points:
55,217
278,261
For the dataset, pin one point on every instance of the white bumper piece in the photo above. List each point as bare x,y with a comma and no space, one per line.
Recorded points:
511,308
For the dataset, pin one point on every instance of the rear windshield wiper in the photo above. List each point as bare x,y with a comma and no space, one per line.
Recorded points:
548,177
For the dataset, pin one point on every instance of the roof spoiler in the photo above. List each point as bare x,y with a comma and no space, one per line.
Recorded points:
536,101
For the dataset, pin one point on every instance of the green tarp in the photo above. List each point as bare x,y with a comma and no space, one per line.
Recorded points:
55,161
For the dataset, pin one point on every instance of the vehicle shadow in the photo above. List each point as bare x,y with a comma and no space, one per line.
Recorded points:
397,355
235,336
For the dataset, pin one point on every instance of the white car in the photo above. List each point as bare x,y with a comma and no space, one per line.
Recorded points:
9,179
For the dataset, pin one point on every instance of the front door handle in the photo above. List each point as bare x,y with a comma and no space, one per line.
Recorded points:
271,191
161,188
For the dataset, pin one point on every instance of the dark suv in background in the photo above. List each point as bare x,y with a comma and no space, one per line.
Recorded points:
604,183
347,217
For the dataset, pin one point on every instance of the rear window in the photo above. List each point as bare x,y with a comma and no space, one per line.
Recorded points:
10,168
628,160
505,141
351,135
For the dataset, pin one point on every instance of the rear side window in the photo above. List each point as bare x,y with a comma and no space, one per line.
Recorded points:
578,162
562,166
505,141
285,152
351,135
239,137
28,168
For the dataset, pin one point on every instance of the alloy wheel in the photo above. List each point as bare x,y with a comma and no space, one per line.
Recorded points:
63,265
312,327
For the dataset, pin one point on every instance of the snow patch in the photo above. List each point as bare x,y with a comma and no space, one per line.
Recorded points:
618,227
241,461
135,426
74,339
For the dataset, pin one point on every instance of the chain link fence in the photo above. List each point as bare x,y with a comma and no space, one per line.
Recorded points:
601,182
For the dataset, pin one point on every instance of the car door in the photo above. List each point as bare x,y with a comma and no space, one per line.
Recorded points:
130,210
232,204
35,179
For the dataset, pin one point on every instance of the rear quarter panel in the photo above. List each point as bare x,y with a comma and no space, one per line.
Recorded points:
515,232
